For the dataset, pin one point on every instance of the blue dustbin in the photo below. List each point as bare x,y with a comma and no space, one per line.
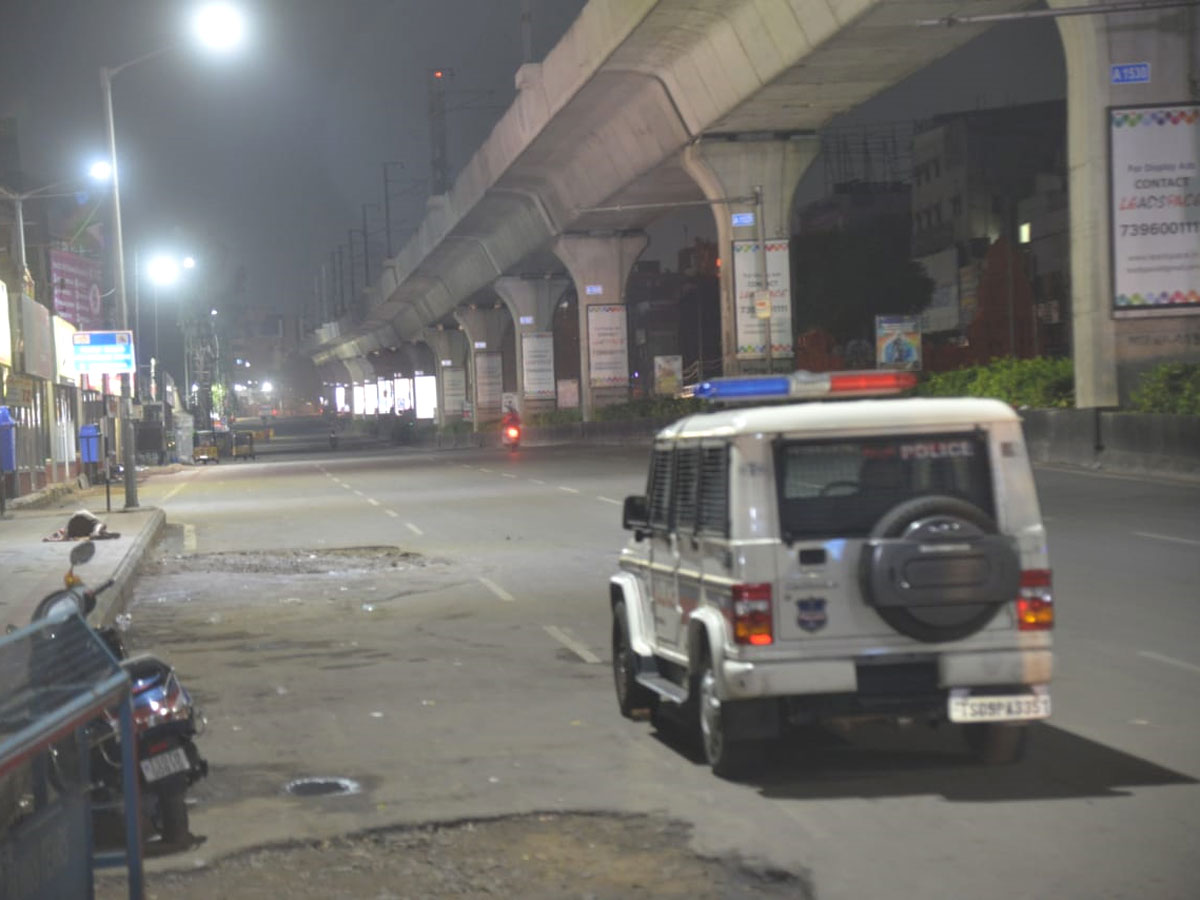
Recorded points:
89,443
8,441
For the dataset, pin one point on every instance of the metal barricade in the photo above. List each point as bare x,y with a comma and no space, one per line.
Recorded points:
56,677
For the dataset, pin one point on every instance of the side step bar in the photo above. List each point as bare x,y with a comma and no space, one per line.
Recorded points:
664,687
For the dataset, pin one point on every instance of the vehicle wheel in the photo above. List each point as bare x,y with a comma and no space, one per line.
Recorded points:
630,694
997,743
173,814
728,758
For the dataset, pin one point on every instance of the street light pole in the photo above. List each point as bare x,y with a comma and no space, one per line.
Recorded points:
123,417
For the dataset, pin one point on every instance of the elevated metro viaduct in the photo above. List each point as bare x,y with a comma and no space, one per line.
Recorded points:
646,105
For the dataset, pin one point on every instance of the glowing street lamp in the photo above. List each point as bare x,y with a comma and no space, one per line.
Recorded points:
217,25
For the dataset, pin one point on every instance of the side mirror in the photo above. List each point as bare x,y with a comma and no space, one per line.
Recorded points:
634,516
82,552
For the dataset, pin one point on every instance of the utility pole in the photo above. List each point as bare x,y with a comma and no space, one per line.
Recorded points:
350,265
437,130
341,282
387,206
527,30
366,245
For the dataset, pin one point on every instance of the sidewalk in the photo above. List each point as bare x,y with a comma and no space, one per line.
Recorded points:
31,568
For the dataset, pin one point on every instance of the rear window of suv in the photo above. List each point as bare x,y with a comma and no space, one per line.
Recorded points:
842,488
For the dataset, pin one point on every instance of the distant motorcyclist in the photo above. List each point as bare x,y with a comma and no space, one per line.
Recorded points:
510,418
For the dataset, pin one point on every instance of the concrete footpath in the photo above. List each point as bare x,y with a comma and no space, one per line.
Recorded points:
30,567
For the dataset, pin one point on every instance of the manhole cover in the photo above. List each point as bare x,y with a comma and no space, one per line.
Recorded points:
317,787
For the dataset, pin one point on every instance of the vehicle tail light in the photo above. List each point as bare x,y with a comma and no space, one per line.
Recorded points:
513,432
752,615
1035,603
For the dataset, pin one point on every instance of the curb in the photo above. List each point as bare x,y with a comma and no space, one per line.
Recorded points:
116,599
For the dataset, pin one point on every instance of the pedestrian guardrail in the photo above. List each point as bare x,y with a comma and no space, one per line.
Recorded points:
56,676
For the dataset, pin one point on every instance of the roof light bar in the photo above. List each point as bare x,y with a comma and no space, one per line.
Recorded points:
803,385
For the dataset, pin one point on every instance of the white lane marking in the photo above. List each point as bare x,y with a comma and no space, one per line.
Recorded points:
175,490
496,589
392,513
1167,537
413,528
189,538
609,500
571,644
508,475
360,493
568,489
536,481
464,465
482,469
373,501
1169,661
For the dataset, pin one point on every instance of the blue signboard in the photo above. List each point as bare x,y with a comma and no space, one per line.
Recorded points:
743,220
103,352
1130,73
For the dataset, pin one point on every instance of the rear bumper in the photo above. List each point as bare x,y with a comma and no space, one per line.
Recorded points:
744,680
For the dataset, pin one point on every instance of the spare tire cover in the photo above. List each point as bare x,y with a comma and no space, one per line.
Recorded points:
923,521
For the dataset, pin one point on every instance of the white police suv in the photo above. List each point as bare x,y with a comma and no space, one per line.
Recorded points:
797,563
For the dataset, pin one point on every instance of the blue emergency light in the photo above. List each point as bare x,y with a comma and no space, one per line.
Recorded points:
803,385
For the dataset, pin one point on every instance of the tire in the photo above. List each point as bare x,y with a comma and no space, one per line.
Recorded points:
173,818
728,757
997,743
931,625
630,694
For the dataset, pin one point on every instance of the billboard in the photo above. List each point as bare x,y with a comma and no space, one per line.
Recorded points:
1154,152
489,384
608,346
77,295
898,342
752,324
5,328
537,360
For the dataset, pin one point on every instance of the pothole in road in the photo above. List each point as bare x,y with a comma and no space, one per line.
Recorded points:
292,561
321,787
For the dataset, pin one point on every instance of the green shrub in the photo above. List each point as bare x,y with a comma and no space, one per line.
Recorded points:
650,408
1172,388
1041,383
556,417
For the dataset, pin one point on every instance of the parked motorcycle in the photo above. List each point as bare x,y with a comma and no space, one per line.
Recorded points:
165,724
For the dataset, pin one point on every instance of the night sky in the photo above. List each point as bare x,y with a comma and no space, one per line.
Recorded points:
268,153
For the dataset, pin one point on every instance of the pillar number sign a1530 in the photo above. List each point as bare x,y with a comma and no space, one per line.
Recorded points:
103,352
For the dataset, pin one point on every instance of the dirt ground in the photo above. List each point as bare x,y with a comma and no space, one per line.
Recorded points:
590,857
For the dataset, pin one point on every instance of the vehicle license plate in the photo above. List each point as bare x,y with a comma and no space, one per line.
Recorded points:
159,767
1004,708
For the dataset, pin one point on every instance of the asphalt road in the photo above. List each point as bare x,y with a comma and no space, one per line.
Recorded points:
472,679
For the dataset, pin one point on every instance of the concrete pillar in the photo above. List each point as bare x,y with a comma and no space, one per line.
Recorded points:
599,267
727,169
1107,350
531,303
450,352
484,328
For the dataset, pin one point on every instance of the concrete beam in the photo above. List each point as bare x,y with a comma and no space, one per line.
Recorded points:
599,266
484,328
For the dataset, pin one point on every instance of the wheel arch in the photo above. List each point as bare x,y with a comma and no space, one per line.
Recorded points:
623,587
706,628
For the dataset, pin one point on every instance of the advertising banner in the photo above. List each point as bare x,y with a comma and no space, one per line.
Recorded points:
898,342
608,346
568,393
489,384
39,355
537,360
77,295
752,328
454,390
5,328
668,375
1155,159
64,350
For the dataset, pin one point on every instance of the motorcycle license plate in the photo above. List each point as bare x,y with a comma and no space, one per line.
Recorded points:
1007,708
159,767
